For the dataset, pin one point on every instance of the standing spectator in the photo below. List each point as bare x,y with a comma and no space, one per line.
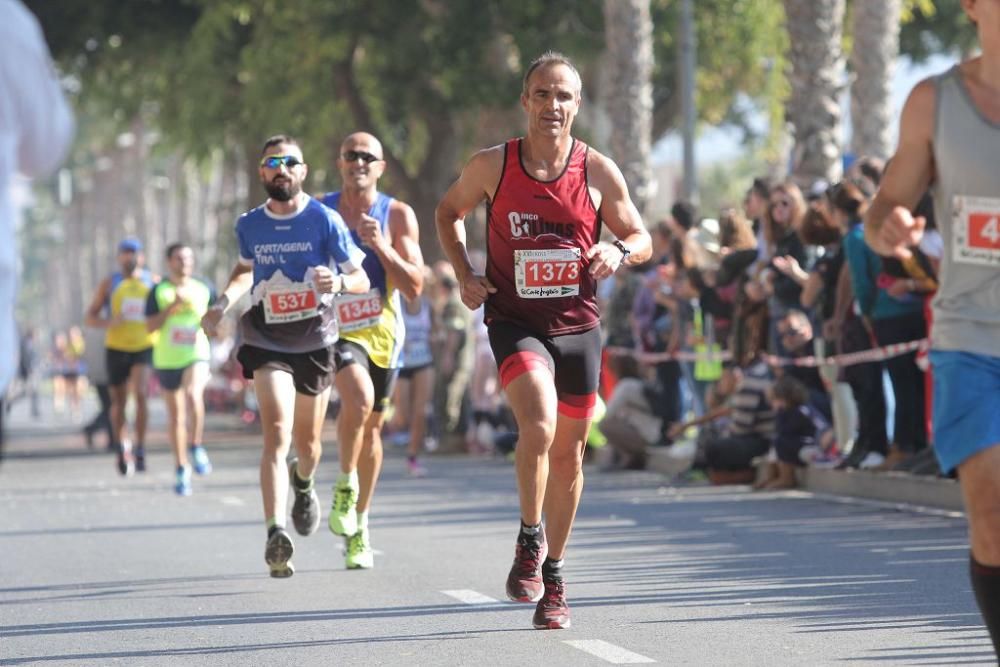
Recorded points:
893,319
27,372
853,331
36,127
455,348
97,373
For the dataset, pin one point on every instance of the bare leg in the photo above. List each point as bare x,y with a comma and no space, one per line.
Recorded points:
138,381
565,482
119,396
532,398
370,461
310,411
176,428
197,378
276,399
979,476
422,385
357,396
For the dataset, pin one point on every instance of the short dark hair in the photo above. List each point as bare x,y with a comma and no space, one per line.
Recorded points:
791,390
174,247
762,186
685,214
278,139
545,60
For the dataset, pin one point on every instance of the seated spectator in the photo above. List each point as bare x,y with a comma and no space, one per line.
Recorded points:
729,457
797,425
796,334
629,424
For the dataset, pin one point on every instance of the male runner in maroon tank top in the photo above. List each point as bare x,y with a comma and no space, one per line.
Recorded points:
548,195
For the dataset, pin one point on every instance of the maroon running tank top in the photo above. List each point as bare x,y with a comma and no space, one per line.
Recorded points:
537,234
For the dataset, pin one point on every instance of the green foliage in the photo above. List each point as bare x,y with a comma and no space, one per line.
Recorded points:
932,27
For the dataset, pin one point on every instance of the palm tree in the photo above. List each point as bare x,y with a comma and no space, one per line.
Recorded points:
628,33
873,59
815,28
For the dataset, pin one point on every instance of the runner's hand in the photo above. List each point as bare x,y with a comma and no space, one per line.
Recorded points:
370,232
210,320
604,260
323,279
475,290
899,232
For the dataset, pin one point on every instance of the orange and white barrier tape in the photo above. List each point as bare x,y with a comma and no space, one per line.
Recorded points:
811,361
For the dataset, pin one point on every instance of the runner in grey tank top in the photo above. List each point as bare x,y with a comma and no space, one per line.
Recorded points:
949,140
967,206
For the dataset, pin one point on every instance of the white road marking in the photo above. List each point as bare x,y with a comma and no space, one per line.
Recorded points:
470,597
616,655
232,500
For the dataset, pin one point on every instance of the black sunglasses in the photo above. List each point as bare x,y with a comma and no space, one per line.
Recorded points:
352,156
275,161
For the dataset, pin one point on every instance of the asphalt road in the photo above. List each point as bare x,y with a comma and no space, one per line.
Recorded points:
99,570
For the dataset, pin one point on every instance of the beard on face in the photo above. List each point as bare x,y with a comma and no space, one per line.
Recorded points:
130,265
282,192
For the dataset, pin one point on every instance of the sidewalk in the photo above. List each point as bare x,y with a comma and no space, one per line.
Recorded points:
890,487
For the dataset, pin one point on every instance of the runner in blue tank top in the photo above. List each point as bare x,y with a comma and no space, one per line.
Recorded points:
949,137
372,333
286,248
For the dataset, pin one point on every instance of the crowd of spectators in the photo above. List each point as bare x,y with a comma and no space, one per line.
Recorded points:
778,290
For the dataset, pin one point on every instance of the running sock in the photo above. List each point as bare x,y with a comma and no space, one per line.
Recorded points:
986,586
362,520
300,483
531,532
273,525
552,569
349,477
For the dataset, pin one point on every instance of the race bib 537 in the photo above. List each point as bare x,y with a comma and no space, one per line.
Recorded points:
290,303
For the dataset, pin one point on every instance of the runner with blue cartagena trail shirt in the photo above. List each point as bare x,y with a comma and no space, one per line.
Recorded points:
286,247
371,333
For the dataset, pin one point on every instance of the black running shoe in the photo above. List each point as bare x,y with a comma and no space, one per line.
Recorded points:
278,554
524,582
305,506
552,612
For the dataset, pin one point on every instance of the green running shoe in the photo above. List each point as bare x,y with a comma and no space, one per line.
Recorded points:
359,554
344,513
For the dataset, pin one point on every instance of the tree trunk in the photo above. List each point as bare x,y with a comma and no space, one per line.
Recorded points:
628,98
873,60
817,69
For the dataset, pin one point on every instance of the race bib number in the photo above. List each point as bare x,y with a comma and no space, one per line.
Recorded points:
186,336
359,311
290,303
976,230
134,310
546,274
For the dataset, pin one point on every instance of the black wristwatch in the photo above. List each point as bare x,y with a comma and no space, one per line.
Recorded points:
624,248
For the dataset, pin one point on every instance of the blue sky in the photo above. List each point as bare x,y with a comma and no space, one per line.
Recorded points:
715,144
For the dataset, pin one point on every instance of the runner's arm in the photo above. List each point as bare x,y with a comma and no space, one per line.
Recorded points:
93,317
354,281
621,216
889,225
401,257
155,316
475,184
